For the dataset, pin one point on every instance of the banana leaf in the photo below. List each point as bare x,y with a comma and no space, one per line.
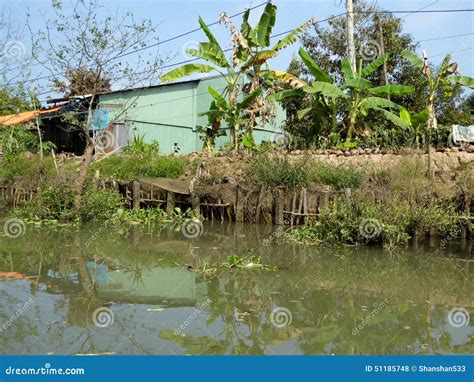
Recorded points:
186,70
292,37
285,94
347,69
392,90
210,52
302,113
316,71
247,101
374,65
377,102
396,120
221,102
416,61
463,80
327,90
207,31
266,24
357,83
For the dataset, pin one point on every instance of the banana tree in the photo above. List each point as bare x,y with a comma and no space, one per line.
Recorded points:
359,94
250,51
365,97
445,78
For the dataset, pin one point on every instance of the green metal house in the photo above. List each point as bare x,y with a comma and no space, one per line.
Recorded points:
169,113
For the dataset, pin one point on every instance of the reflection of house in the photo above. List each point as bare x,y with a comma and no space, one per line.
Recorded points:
169,113
158,285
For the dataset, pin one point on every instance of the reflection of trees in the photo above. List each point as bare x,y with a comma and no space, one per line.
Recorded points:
329,292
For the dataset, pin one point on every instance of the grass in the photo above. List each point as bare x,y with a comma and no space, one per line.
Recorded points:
132,167
275,172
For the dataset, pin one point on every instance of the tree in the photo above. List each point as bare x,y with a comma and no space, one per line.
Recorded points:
326,45
360,96
85,46
442,80
250,53
81,81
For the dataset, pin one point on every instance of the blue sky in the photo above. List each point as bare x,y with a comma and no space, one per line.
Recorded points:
175,17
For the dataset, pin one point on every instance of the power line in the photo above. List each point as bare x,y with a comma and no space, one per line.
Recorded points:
421,10
446,37
152,45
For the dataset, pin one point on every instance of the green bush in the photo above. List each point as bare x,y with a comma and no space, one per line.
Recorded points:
99,205
132,167
276,172
338,177
139,146
53,203
57,203
20,166
361,220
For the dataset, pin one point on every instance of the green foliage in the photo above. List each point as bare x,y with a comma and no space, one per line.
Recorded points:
17,139
12,101
132,167
27,168
250,53
56,203
338,177
99,205
139,146
275,172
362,220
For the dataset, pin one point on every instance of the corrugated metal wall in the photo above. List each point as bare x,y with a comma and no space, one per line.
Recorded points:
169,114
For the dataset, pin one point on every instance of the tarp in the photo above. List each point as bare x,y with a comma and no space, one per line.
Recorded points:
19,118
463,133
177,186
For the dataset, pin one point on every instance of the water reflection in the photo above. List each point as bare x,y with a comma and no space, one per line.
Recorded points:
345,301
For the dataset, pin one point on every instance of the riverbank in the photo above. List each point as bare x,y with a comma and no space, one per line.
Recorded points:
366,197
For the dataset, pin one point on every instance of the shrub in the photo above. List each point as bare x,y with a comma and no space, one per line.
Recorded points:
131,167
362,220
53,203
97,205
139,146
338,177
276,172
58,203
20,166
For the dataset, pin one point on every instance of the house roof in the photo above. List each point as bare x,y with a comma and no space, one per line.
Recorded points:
19,118
164,84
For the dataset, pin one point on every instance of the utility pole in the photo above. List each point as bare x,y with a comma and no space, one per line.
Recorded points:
350,34
382,49
432,122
